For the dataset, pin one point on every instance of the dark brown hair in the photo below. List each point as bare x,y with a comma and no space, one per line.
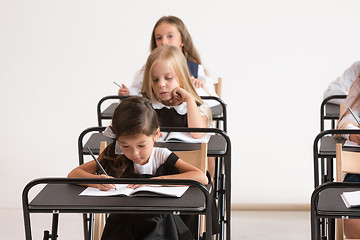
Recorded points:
133,116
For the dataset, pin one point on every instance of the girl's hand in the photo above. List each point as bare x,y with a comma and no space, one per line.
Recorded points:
134,186
355,138
197,83
105,187
124,91
179,95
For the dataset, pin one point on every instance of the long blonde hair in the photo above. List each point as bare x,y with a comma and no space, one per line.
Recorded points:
189,50
177,62
352,100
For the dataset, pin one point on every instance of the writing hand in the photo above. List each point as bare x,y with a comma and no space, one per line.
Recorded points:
124,91
105,187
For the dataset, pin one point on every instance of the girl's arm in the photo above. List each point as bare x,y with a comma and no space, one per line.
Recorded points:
187,171
348,122
194,118
87,170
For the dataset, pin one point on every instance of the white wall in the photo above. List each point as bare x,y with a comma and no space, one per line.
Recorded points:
58,58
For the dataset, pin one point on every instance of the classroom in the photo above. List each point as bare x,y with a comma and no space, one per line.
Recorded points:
276,58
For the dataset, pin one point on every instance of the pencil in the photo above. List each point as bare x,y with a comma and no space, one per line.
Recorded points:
98,163
354,116
117,84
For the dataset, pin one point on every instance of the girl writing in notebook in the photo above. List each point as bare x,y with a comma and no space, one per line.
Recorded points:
170,30
348,121
136,128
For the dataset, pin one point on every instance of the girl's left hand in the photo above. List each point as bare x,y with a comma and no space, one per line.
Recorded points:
179,95
197,82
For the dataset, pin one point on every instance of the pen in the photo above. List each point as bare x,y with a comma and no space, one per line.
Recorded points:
102,169
117,84
354,116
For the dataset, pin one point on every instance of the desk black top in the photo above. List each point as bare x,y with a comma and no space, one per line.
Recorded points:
331,204
65,198
332,111
216,111
328,146
216,145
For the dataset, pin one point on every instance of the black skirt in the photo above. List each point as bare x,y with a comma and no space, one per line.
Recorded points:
145,227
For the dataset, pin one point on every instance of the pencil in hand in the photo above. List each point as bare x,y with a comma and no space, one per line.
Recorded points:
98,163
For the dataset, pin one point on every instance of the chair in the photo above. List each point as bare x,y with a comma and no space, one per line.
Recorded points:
330,111
324,148
218,87
346,162
197,158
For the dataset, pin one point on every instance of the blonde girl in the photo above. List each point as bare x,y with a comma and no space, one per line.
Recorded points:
168,85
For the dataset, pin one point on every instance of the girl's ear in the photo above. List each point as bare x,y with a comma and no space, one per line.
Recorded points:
157,134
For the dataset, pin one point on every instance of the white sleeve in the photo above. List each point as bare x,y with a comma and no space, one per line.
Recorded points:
209,83
161,155
341,85
136,85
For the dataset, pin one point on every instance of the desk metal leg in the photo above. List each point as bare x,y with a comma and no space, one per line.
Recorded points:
55,222
330,169
86,225
315,226
27,224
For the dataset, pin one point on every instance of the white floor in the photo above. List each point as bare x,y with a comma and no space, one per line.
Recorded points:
246,225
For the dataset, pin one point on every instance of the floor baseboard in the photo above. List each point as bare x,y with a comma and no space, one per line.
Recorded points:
271,207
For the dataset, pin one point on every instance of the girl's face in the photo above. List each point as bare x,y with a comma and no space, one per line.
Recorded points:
138,148
163,81
168,34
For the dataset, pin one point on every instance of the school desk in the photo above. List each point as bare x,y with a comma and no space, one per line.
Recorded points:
326,205
218,112
219,146
61,195
324,153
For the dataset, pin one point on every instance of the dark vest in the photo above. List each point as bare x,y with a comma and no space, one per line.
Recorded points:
193,69
170,118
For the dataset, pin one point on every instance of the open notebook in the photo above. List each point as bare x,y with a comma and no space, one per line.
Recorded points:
182,137
351,199
147,191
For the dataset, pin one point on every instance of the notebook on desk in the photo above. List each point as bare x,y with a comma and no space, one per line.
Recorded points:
143,191
182,137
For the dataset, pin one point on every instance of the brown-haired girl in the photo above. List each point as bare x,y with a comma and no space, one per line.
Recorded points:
170,30
136,128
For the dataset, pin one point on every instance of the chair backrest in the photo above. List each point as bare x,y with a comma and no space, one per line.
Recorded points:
218,87
197,158
346,162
